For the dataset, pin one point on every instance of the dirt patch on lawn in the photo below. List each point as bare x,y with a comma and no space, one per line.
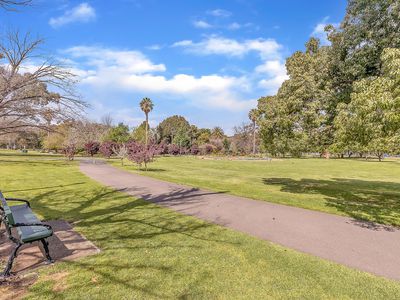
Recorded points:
65,245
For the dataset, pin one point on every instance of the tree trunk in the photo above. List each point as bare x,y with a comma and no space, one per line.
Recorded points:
380,155
254,138
147,128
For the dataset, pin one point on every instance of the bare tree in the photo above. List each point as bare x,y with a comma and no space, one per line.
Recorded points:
121,152
27,99
107,120
242,139
13,4
85,131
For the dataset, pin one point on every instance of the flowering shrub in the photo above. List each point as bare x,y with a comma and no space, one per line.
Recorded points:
140,154
92,148
106,148
162,148
206,149
194,150
133,147
173,149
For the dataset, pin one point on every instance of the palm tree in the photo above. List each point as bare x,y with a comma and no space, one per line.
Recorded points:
217,132
253,116
146,106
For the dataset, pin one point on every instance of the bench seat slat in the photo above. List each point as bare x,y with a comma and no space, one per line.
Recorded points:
23,214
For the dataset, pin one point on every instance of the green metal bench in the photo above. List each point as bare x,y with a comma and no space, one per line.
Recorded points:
28,228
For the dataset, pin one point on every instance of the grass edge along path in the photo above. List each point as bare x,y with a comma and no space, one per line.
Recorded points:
364,190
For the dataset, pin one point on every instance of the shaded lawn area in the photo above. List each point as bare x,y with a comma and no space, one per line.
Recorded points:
152,252
367,190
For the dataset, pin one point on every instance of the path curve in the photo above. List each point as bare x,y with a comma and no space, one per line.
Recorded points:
365,246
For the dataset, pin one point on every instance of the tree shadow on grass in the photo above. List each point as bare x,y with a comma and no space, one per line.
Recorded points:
43,188
53,163
112,210
375,201
122,226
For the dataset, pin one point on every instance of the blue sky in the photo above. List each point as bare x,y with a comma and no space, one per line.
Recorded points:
206,60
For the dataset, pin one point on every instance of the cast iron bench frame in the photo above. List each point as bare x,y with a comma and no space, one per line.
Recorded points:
4,218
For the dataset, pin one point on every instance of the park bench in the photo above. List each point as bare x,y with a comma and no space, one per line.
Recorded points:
22,227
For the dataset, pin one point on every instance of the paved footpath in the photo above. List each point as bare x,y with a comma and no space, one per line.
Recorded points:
369,247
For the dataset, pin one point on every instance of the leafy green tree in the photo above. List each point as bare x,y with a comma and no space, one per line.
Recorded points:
368,27
296,119
193,134
370,123
139,133
303,116
146,105
119,134
226,145
204,136
182,139
171,126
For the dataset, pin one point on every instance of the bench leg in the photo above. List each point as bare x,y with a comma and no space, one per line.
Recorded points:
46,250
1,217
11,260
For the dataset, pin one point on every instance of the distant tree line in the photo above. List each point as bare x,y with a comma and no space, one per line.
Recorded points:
174,134
344,98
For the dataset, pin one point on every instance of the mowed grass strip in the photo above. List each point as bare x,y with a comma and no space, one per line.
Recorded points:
149,252
367,190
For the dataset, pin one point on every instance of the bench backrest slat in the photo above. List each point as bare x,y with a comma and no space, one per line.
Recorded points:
7,211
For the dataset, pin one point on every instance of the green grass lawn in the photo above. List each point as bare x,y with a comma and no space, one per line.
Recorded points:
360,189
152,252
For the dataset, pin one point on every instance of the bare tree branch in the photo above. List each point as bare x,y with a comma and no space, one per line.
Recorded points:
11,5
39,97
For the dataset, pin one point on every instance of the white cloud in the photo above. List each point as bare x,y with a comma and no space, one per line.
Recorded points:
131,71
270,74
234,26
319,30
271,66
184,43
155,47
275,71
83,13
219,13
266,48
131,62
214,91
202,24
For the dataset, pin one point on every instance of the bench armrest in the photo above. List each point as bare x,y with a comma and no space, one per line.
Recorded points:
32,224
19,200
